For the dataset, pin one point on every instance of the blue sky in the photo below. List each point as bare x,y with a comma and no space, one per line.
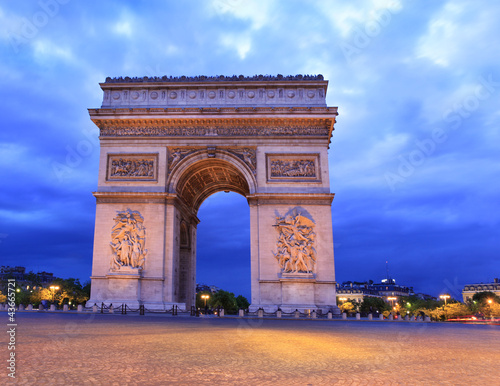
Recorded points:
414,159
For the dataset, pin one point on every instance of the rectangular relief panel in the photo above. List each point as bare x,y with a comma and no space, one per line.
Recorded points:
293,167
132,167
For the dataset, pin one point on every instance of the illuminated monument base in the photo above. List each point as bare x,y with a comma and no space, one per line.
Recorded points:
169,143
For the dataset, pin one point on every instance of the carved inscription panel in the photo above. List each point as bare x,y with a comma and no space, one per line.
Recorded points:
130,167
293,167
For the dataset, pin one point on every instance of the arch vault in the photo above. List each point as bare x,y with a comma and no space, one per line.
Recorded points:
169,143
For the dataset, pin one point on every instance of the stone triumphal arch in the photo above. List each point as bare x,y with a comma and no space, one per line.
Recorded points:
169,143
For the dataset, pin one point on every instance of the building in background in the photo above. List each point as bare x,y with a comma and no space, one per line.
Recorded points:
471,289
22,277
206,288
357,291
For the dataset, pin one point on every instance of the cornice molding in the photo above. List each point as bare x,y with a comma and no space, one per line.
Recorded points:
240,111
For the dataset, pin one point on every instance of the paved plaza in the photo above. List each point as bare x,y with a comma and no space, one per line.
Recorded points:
105,349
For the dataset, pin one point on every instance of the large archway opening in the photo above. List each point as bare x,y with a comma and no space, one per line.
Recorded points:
221,257
223,243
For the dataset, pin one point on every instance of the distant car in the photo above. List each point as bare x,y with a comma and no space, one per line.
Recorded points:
467,318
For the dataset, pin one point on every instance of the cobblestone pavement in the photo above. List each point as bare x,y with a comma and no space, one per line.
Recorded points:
104,349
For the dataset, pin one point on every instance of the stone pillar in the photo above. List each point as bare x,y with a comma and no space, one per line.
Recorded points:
370,317
30,307
427,318
111,309
21,307
407,317
221,313
381,317
296,314
94,308
391,317
278,313
241,313
313,315
329,315
65,307
358,316
52,307
260,313
80,308
40,307
344,316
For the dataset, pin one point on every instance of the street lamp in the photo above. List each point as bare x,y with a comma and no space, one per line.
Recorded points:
54,288
205,297
343,299
444,297
392,298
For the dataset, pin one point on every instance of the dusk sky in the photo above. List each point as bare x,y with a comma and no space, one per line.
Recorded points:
414,159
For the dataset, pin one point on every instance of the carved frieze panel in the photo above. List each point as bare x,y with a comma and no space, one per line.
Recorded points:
295,253
132,167
186,130
293,167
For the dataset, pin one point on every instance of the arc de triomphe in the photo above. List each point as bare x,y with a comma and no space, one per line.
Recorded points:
169,143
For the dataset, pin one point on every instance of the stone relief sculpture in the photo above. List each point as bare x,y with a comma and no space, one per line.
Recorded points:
295,247
247,155
132,168
292,168
159,131
128,239
178,155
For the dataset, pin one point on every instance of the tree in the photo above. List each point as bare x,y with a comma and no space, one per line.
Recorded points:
242,302
347,307
40,294
372,304
454,310
493,310
225,300
483,297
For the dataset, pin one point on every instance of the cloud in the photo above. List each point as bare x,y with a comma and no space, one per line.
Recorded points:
345,16
45,50
242,44
257,12
406,81
459,35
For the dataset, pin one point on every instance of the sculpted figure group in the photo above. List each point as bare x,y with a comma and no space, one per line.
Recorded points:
132,168
128,238
296,253
292,168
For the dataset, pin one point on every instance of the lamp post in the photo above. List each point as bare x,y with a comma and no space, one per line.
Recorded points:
54,288
444,297
205,297
391,299
343,300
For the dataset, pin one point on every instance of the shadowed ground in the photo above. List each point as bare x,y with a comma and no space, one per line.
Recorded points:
104,349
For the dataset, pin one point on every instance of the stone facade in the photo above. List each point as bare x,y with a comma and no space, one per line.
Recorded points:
471,289
169,143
